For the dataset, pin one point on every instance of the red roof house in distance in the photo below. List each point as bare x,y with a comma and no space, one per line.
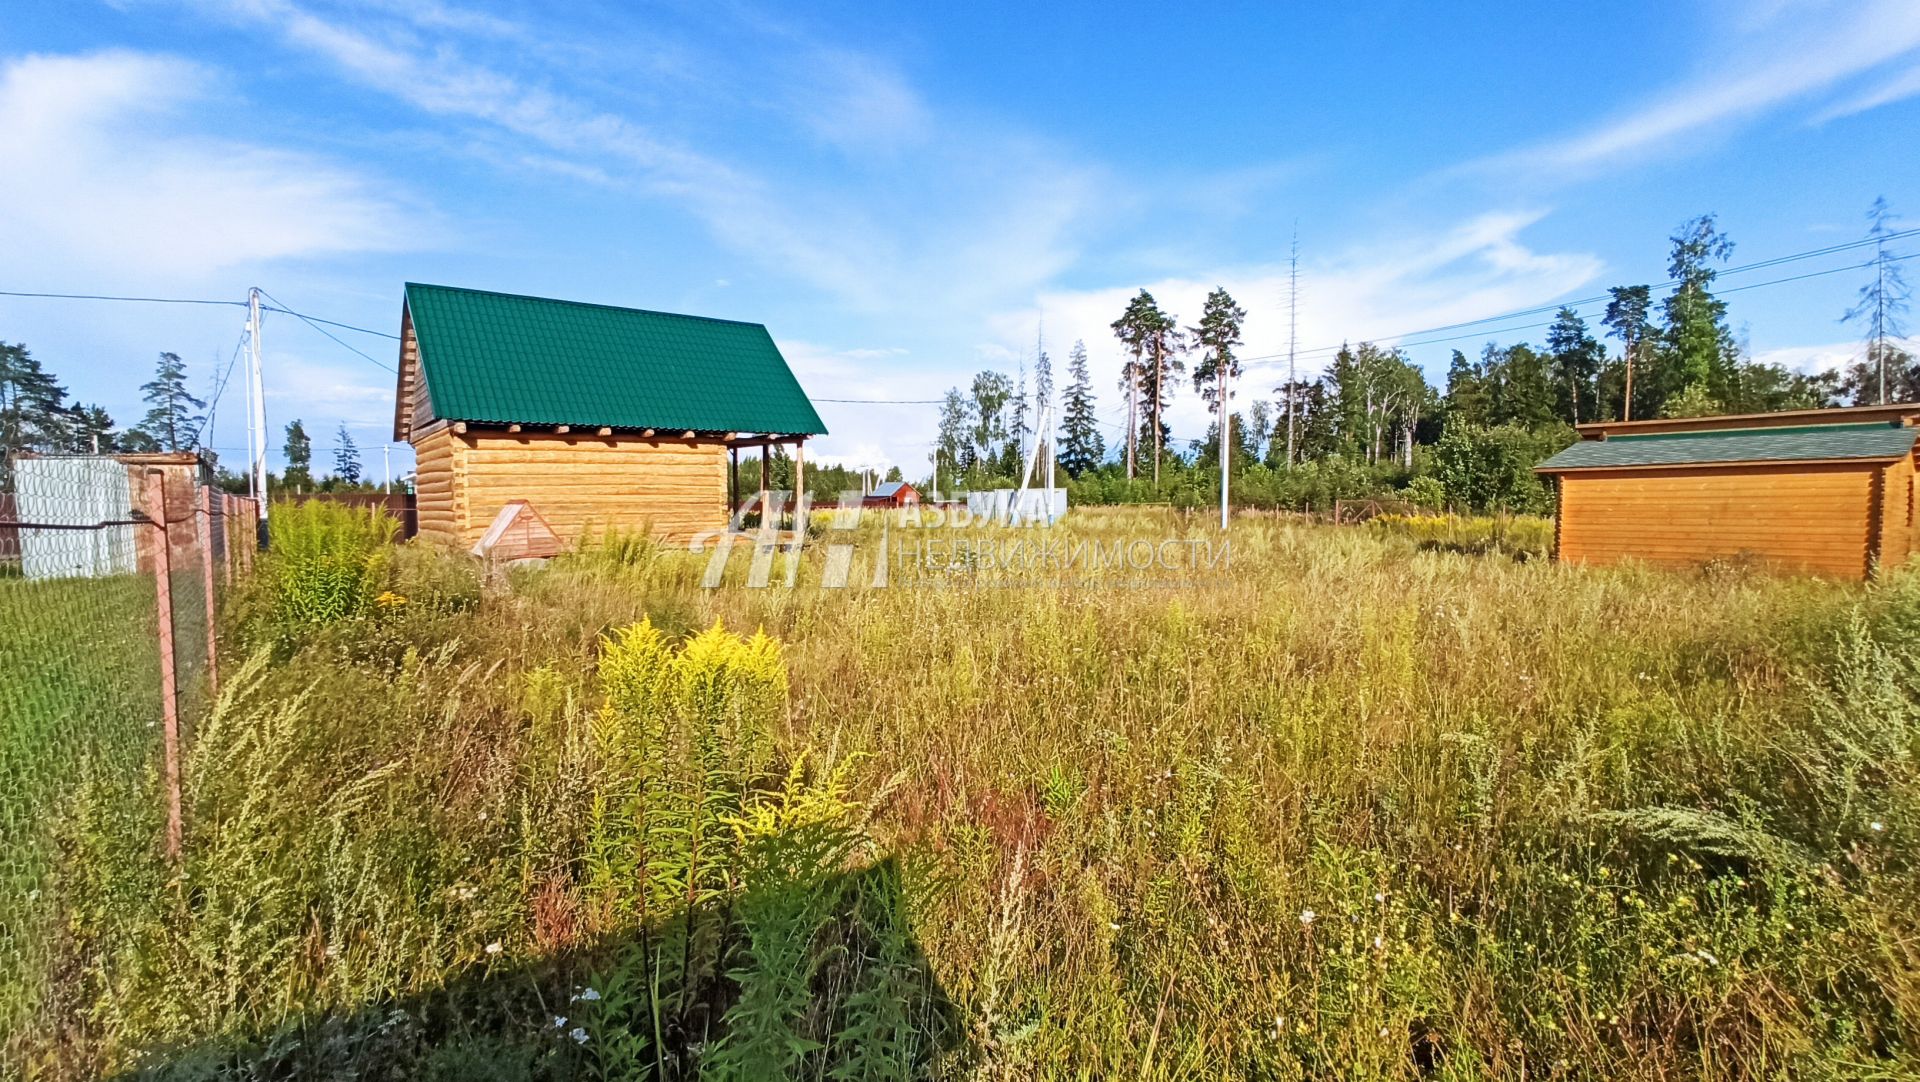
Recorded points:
891,494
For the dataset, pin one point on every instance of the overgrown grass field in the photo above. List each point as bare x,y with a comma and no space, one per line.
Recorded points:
1349,805
79,698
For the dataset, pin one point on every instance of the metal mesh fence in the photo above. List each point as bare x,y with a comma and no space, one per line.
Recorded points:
111,572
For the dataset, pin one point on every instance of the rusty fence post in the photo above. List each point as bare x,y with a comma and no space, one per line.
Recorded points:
250,536
156,500
226,538
206,584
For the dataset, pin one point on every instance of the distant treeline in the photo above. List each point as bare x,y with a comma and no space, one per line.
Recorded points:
1372,425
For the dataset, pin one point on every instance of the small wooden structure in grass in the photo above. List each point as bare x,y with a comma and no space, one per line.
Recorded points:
1831,491
599,418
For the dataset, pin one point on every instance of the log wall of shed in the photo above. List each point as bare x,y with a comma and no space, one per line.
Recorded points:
583,484
1897,511
436,483
1806,517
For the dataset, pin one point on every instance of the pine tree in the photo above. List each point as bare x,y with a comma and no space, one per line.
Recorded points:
955,446
1700,352
1215,336
91,431
1576,362
33,413
1626,320
299,455
1466,402
1042,378
1153,339
1131,330
171,420
1886,373
346,457
1520,391
1019,426
1081,448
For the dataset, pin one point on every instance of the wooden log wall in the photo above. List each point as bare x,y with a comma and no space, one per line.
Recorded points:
1897,510
437,502
583,484
1813,517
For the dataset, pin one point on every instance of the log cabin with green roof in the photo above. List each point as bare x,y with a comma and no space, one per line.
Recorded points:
600,418
1827,491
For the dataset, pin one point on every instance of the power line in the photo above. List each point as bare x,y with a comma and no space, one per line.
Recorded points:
220,388
316,326
101,297
1542,309
331,323
1487,332
884,401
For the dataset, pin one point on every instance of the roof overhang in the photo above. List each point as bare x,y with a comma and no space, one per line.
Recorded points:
1650,467
1860,441
1894,413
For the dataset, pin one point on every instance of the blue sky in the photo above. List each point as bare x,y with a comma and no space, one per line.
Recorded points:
905,195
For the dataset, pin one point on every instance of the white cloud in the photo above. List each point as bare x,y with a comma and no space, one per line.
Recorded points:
107,174
1794,51
1898,88
995,222
1824,357
854,101
1371,291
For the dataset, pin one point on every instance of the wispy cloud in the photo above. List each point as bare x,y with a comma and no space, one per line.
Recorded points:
996,219
1900,87
108,172
1825,356
1408,279
1797,50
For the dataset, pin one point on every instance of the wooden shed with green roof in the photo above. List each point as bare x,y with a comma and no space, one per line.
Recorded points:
600,418
1831,491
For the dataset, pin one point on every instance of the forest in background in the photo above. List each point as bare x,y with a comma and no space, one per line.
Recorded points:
1372,425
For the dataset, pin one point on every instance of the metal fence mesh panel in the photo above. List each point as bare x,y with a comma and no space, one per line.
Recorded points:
82,653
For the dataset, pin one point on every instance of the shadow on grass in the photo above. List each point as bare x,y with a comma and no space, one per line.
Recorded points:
707,994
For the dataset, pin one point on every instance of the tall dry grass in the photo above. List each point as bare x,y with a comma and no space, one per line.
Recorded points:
1346,808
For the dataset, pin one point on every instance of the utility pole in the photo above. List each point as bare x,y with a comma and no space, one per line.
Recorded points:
386,466
1226,434
1880,313
1293,326
1626,397
1133,413
256,408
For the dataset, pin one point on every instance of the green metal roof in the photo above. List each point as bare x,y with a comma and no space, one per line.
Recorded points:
1807,442
507,359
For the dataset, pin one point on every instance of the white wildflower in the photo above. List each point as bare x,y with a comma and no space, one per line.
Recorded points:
559,1021
1876,826
1306,917
579,1035
1379,895
585,995
493,947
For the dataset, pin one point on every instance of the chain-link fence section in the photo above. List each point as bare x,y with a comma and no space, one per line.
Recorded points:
111,572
